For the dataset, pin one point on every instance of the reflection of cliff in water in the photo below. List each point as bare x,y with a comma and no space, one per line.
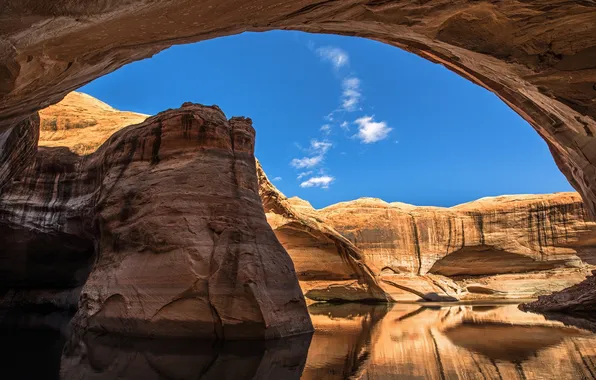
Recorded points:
107,357
471,342
351,341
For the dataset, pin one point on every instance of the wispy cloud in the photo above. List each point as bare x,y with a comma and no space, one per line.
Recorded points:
318,149
304,174
326,129
277,179
351,93
336,56
371,131
322,181
345,126
306,162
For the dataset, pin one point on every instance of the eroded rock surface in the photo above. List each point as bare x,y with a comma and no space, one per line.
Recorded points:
538,56
82,123
328,265
515,247
503,247
167,216
580,298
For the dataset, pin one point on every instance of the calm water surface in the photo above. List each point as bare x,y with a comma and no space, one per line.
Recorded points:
351,341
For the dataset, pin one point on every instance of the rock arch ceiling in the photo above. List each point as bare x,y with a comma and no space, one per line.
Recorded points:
539,57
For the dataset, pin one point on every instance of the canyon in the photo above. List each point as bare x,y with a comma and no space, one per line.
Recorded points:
507,247
538,57
159,232
99,224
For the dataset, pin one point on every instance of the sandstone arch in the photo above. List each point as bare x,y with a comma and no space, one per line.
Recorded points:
525,52
539,57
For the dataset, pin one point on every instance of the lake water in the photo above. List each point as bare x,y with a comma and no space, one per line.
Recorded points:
352,341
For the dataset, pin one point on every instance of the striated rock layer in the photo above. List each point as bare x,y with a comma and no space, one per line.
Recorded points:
166,217
537,56
328,265
82,123
515,247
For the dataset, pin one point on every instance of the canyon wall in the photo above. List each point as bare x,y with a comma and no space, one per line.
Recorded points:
163,229
538,56
507,247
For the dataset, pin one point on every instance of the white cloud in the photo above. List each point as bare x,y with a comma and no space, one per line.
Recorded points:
304,174
320,147
351,93
277,179
306,162
326,129
335,55
345,126
370,131
323,182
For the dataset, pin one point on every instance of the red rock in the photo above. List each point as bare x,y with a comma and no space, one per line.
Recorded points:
172,209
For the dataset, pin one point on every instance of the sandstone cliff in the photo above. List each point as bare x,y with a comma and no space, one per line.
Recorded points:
512,247
165,219
537,56
328,265
504,247
82,123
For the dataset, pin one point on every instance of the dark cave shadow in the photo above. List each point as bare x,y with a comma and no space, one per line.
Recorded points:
89,355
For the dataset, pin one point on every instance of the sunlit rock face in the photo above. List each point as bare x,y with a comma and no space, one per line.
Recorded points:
538,56
517,246
82,123
407,341
328,265
503,247
167,218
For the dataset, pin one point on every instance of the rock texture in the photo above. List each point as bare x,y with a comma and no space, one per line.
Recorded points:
82,123
538,57
167,218
516,247
328,265
580,298
402,341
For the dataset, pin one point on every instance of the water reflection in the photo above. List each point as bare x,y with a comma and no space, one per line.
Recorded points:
466,342
106,357
352,341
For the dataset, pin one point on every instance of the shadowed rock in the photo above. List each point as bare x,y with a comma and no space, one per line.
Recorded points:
168,216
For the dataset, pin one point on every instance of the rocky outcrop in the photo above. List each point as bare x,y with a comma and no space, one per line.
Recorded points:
82,123
515,247
538,56
580,298
328,265
504,247
162,227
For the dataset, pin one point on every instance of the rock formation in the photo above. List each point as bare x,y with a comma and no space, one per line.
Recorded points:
459,342
516,246
513,247
82,123
538,56
328,265
165,219
580,298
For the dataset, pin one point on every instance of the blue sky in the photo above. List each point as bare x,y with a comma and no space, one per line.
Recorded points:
338,118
